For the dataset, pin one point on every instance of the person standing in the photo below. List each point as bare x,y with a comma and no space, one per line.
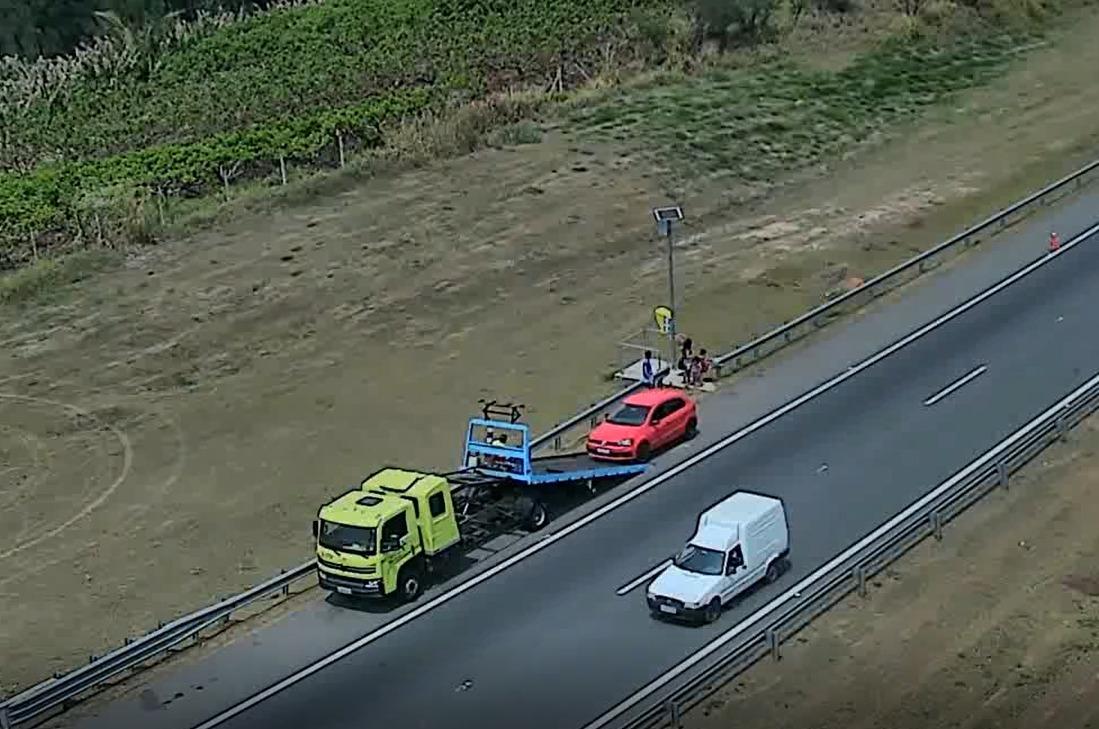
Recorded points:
686,354
648,371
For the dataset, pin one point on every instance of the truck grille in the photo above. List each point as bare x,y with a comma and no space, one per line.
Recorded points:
345,568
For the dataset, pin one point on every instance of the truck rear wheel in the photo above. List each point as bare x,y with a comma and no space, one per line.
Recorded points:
410,584
537,516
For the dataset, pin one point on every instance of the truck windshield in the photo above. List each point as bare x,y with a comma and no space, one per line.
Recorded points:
630,415
699,559
345,538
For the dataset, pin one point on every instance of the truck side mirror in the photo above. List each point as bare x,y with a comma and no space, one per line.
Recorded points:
316,528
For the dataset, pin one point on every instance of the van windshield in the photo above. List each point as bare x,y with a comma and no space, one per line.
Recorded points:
699,559
630,415
346,538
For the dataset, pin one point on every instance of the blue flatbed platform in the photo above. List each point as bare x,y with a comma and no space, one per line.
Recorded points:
579,466
492,457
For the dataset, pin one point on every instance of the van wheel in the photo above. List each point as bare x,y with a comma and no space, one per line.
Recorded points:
644,451
772,572
410,584
713,611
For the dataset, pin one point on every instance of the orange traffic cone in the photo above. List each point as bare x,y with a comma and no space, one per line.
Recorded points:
1054,242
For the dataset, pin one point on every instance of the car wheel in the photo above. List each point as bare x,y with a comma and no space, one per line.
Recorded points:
713,611
410,584
772,572
692,429
644,451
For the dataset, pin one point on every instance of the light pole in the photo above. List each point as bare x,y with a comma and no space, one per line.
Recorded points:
665,217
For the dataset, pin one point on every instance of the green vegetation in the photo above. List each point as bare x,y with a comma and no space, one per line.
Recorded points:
296,61
248,96
754,123
95,146
34,28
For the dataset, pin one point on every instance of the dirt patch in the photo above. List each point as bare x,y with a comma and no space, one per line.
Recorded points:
1086,584
996,626
258,369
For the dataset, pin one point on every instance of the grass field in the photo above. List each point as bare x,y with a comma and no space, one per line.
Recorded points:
751,124
171,415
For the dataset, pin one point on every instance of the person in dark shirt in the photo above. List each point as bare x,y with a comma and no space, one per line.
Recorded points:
686,354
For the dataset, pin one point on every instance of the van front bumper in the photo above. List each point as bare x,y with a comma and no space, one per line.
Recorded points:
349,585
670,609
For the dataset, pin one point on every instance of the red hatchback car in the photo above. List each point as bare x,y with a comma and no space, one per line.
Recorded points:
647,421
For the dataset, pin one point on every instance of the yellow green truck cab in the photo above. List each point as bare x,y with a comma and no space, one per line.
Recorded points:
386,536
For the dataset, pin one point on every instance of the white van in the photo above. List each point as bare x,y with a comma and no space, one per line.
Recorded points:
739,541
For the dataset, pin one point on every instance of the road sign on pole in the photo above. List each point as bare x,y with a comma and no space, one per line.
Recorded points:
665,218
663,317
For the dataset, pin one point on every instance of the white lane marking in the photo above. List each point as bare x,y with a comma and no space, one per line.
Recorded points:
982,462
642,579
636,491
956,385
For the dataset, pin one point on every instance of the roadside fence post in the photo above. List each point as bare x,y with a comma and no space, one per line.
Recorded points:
937,525
772,639
1001,472
860,575
673,714
5,718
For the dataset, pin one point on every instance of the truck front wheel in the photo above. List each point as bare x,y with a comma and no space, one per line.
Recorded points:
410,584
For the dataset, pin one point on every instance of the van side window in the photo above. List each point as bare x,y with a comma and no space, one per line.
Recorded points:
395,528
736,559
436,504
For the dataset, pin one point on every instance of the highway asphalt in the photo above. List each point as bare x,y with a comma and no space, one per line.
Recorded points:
548,643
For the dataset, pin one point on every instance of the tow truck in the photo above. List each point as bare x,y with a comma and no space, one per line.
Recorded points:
401,527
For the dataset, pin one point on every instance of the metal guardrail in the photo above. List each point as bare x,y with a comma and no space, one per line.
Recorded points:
64,690
781,619
767,344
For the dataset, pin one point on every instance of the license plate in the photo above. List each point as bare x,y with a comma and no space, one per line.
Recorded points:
343,590
603,451
668,609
